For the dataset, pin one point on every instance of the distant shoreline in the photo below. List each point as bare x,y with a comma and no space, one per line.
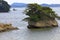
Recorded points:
21,5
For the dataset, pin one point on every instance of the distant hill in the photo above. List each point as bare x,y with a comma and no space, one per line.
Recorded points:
51,5
24,5
18,5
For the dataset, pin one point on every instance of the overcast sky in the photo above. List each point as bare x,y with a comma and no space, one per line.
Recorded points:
35,1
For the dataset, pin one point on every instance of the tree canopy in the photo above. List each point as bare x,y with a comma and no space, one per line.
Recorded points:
37,12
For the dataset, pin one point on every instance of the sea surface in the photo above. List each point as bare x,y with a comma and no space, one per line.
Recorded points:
16,19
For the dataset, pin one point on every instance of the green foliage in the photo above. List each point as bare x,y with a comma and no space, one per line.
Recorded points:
37,12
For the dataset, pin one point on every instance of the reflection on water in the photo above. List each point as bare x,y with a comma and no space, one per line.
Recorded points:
15,17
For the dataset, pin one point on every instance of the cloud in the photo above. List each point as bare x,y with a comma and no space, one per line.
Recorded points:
35,1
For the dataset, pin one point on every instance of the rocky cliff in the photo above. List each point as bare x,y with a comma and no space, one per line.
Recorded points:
44,23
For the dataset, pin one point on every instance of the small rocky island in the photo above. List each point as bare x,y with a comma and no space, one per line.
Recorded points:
4,6
6,27
40,17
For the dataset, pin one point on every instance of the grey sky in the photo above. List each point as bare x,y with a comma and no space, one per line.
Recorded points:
35,1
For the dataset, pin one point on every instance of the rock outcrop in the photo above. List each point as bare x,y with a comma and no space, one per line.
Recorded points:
42,24
6,27
4,6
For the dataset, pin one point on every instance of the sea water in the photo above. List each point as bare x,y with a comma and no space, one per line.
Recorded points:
16,19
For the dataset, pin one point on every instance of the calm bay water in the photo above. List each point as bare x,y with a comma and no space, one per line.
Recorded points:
15,17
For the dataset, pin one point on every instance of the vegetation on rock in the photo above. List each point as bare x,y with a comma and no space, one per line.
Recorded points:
37,13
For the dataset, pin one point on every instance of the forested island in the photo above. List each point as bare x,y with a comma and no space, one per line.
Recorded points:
40,17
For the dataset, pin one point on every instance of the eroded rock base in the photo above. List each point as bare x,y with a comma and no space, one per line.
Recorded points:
31,26
43,24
